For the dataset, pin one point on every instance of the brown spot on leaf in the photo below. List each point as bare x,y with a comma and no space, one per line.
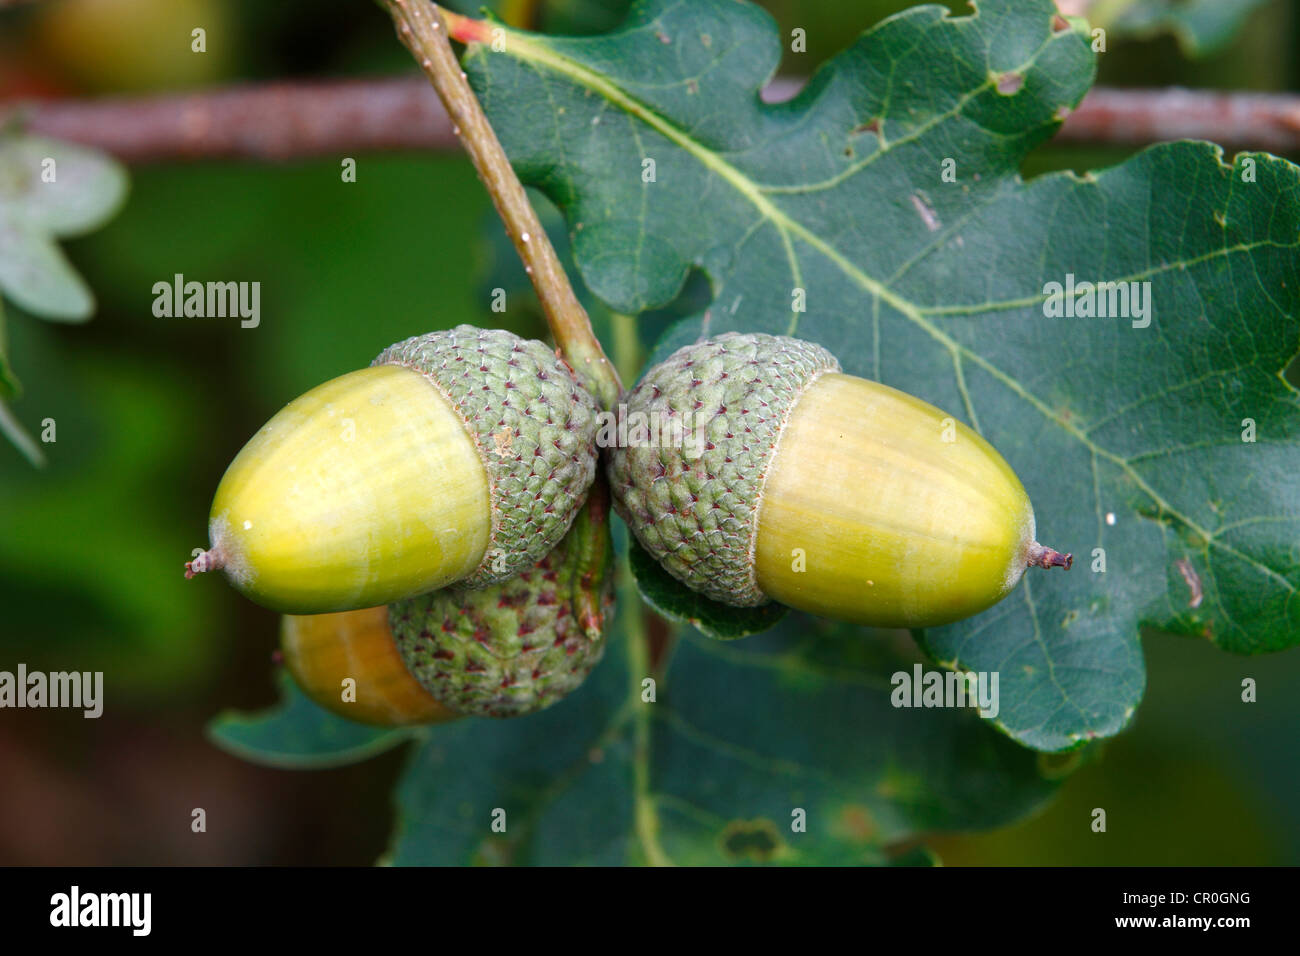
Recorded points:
856,823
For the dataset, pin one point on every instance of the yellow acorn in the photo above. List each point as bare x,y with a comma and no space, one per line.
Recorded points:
323,651
458,456
505,650
783,479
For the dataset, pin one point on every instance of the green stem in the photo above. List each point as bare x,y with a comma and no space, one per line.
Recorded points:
646,814
422,28
627,346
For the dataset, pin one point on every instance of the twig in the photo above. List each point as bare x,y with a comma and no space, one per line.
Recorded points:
341,118
420,26
274,122
1255,121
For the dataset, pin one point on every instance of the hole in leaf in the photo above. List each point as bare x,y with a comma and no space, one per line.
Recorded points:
782,89
755,840
1009,84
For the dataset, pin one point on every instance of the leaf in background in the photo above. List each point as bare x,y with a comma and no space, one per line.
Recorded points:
122,458
50,189
711,772
297,734
740,737
9,386
1127,439
504,271
667,596
13,430
1202,27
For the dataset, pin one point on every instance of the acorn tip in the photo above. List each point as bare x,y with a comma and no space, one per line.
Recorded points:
210,560
1041,556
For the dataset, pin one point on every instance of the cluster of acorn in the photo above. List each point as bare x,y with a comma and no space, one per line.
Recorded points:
455,481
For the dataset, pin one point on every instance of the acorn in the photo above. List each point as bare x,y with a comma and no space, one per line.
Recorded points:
324,651
522,645
793,482
459,456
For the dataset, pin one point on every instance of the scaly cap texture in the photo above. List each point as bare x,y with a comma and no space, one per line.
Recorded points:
521,645
534,427
699,516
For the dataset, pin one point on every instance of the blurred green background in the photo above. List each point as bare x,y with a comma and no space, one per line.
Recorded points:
150,411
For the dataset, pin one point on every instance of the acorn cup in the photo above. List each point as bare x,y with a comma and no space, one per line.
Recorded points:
458,457
500,651
829,493
519,646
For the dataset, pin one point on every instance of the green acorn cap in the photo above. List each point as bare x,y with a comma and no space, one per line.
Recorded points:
829,493
521,645
698,516
534,427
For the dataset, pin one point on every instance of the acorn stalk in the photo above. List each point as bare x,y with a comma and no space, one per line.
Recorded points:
423,28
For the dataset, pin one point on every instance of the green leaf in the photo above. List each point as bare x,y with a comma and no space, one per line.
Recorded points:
297,734
741,736
1202,27
570,17
47,189
1127,439
13,430
50,189
36,275
674,600
10,387
917,856
60,188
